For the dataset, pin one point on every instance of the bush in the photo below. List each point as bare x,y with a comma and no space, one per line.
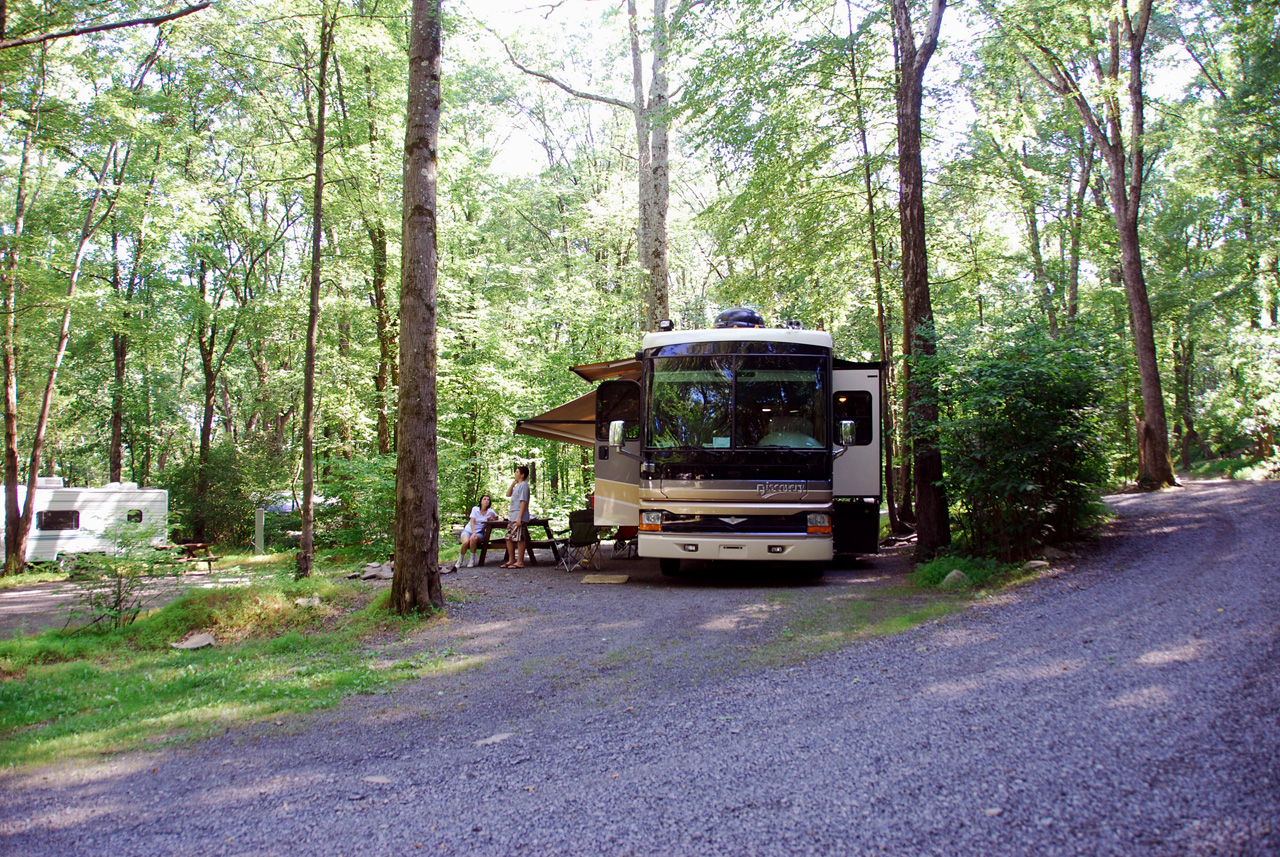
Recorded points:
115,586
240,480
1021,442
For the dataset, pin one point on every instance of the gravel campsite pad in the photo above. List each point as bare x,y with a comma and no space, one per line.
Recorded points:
1125,702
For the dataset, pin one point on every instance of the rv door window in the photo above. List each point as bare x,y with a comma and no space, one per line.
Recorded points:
134,516
68,519
855,406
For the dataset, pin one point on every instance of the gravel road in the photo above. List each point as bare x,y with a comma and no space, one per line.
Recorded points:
1125,703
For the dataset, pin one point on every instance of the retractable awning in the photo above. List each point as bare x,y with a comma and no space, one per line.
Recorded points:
628,368
573,422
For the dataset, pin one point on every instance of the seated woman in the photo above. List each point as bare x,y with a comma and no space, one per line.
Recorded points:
473,533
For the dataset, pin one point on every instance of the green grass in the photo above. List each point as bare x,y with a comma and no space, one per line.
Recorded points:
72,696
979,570
810,623
34,574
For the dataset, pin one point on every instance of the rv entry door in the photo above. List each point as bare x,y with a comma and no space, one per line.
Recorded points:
618,466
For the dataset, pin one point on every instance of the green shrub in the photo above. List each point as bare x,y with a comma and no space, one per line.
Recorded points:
116,585
1020,436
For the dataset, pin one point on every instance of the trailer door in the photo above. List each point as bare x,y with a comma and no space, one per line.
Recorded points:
617,475
856,399
856,473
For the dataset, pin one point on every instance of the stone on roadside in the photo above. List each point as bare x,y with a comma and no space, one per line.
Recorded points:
1035,565
375,571
195,641
313,601
956,580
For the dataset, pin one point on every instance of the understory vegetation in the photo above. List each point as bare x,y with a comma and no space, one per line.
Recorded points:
75,694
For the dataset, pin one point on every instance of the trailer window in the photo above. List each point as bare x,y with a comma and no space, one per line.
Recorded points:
855,405
58,520
134,516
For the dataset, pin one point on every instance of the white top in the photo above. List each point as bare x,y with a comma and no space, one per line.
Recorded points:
476,518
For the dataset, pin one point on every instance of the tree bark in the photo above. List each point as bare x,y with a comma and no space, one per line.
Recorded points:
306,543
416,582
884,339
933,527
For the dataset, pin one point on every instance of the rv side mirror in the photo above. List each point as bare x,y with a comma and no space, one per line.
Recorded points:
848,432
617,434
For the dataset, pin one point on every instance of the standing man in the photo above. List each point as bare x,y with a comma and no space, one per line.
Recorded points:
517,530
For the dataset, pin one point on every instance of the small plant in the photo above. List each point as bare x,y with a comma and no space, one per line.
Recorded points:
978,569
116,585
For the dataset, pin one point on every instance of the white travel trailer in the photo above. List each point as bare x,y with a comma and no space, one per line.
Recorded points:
72,520
736,443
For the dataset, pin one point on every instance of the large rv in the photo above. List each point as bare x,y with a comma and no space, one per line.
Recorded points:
73,520
739,442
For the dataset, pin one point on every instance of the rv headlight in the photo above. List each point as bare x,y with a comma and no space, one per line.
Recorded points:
651,521
819,522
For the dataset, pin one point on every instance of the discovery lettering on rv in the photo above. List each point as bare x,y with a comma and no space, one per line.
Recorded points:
772,489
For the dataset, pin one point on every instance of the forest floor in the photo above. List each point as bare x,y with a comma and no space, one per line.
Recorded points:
1123,702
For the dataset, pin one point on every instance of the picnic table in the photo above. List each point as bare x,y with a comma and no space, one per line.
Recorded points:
198,552
495,532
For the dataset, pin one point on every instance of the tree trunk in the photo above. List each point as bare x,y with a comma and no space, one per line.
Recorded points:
306,543
385,379
886,410
933,527
416,583
1126,170
15,530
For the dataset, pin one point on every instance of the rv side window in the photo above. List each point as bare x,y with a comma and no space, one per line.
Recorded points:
618,400
855,405
134,516
58,520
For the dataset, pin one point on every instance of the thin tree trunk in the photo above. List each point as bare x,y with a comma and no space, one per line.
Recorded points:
306,544
385,379
886,410
1126,172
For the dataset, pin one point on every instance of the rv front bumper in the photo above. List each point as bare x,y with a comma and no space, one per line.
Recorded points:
757,547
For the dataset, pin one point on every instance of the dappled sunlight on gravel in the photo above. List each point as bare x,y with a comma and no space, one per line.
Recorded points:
1181,654
1155,696
742,617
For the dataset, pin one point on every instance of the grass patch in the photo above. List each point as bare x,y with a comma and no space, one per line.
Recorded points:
979,570
75,695
816,622
44,573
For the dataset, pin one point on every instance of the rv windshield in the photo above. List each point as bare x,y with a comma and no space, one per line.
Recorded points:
726,401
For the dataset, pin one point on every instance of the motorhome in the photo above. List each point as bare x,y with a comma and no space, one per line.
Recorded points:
739,442
73,520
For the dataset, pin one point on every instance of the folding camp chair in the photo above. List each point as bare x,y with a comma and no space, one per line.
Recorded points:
579,545
624,542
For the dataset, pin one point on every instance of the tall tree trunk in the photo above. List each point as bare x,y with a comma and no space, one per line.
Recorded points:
386,377
886,410
307,541
15,529
933,526
416,583
1126,171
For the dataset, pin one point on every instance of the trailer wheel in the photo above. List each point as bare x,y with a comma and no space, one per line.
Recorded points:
669,567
